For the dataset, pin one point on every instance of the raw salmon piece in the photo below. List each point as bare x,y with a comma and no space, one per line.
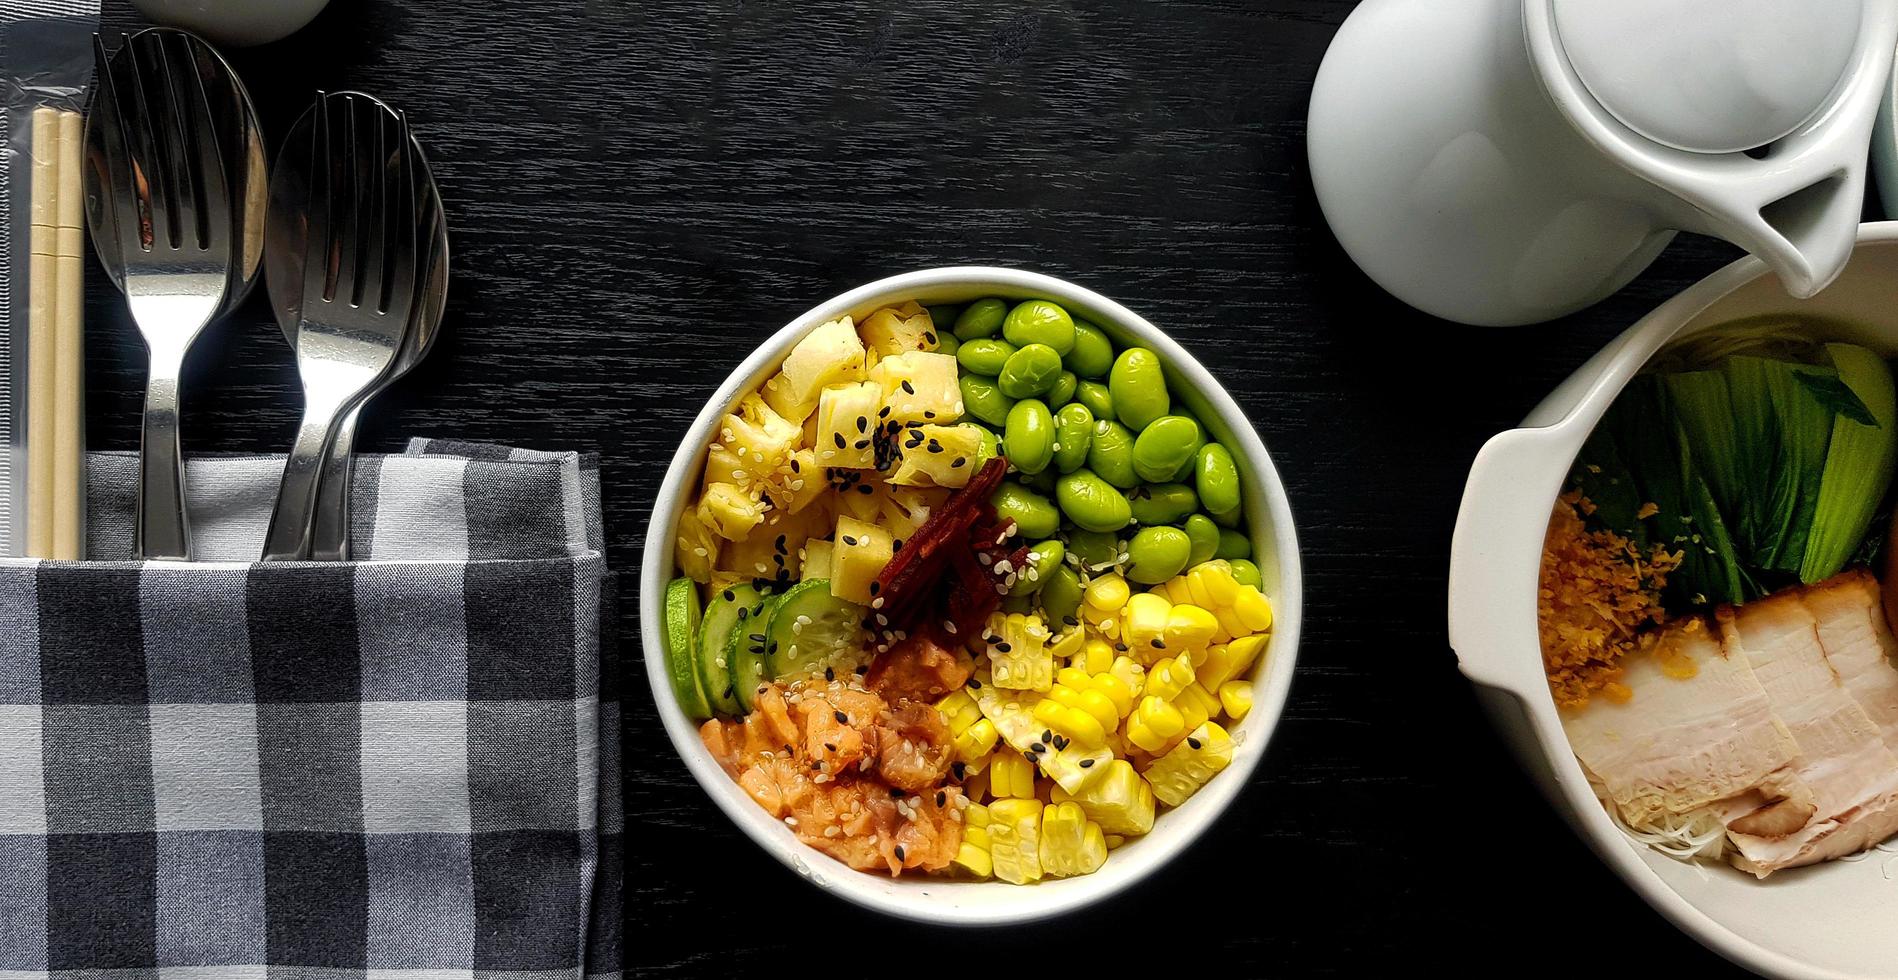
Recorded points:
914,747
918,669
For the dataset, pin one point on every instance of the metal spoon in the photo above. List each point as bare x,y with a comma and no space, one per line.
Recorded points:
285,236
244,166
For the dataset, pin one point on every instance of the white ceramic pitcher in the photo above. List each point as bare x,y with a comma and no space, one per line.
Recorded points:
1502,162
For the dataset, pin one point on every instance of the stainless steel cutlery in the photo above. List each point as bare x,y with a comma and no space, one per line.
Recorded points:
158,173
360,271
286,242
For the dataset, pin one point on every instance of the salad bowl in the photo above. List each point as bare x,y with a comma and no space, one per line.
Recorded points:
965,902
1831,920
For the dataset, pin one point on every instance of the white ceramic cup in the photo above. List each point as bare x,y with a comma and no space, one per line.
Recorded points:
240,23
1275,550
1830,921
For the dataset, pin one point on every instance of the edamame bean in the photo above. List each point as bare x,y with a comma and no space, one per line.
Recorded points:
984,355
1204,534
1157,554
989,448
1091,503
1162,503
1111,454
1038,321
1232,544
1245,572
1028,441
982,399
1040,564
1094,395
1138,387
946,343
1023,604
1216,479
1096,549
982,318
942,319
1060,597
1063,390
1170,442
1093,353
1042,482
1073,433
1034,515
1029,372
1225,518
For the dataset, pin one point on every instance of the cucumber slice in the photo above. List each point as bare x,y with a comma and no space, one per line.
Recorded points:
745,651
727,608
682,626
809,628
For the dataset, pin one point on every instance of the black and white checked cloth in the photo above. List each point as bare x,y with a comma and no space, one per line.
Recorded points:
400,768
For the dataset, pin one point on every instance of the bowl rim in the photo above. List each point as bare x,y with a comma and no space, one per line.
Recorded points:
1557,429
921,899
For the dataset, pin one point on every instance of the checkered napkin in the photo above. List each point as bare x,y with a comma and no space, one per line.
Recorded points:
403,767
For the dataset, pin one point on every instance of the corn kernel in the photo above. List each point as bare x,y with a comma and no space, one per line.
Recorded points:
1107,593
1070,843
1097,656
1185,768
1070,722
1190,628
1018,652
974,743
1236,698
1169,677
1120,801
974,861
1131,674
1068,644
1197,705
1229,661
958,711
1253,609
1143,623
1011,777
1015,840
1153,724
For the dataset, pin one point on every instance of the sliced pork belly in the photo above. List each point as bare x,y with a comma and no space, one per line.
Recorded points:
1859,645
1843,758
1699,732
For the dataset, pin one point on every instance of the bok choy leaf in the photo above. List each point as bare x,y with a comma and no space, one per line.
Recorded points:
1858,463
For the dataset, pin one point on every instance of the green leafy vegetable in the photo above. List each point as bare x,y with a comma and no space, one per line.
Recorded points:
1858,464
1805,430
1835,394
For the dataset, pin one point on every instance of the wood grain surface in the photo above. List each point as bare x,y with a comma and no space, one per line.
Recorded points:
640,192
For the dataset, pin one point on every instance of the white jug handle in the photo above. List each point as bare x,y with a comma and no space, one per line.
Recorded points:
1797,204
1496,553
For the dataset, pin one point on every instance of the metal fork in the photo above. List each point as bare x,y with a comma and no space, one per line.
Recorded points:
170,197
359,274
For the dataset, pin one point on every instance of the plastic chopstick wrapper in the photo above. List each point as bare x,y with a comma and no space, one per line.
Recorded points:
45,66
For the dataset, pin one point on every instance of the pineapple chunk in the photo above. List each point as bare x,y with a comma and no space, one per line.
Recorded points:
1120,801
722,465
799,483
897,330
1186,767
904,509
730,511
866,507
860,552
1015,840
937,455
832,354
771,550
919,387
759,438
1071,844
846,425
816,559
696,550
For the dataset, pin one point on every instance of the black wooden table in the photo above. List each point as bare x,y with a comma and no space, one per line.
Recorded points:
641,192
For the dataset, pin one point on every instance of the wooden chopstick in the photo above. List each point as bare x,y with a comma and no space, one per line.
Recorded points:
41,311
69,351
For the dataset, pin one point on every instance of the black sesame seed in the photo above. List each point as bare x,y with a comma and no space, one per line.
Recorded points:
895,794
794,466
865,488
851,541
899,852
934,446
908,389
842,719
730,596
1157,645
941,797
875,588
743,612
958,462
1070,620
896,545
757,637
863,423
884,412
929,335
975,684
862,669
830,674
863,443
1004,647
1038,747
829,747
838,438
1046,735
1087,763
928,414
1120,647
1194,743
960,768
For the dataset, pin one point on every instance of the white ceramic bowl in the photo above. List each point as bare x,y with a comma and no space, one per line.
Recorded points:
1834,920
1275,547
